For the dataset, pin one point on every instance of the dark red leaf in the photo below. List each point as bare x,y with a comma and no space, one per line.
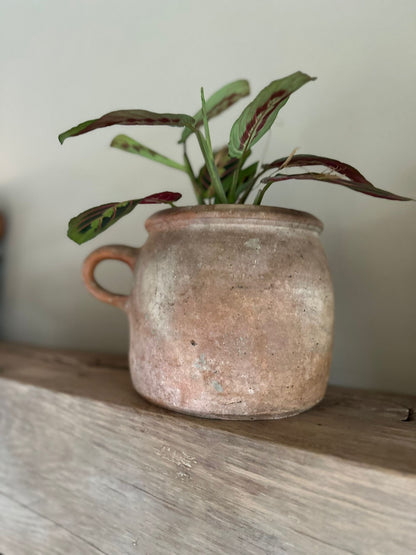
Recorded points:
301,160
157,198
366,187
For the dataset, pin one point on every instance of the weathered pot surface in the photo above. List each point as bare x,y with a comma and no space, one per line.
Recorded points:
231,311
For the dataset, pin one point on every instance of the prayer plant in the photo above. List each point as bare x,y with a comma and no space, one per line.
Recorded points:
225,178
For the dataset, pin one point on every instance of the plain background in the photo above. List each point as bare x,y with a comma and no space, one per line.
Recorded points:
65,62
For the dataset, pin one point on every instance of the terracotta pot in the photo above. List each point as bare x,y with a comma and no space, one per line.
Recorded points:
231,312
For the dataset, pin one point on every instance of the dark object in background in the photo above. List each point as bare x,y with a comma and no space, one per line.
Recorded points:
2,234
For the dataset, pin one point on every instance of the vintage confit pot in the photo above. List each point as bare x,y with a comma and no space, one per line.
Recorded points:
231,311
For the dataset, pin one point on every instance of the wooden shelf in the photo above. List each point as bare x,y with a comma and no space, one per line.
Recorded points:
87,466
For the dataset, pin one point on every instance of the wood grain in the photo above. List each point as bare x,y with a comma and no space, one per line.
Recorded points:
87,466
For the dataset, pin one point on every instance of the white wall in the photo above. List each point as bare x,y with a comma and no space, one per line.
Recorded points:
64,62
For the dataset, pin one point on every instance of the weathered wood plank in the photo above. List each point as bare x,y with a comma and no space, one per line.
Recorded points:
25,532
84,453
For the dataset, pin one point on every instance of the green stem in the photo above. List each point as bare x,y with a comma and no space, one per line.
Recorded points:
212,168
236,175
242,188
206,147
260,194
205,120
248,191
190,172
233,188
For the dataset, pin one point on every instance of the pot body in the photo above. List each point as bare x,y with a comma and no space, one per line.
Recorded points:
231,312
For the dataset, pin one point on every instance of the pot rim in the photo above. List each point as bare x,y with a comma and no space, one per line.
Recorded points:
236,214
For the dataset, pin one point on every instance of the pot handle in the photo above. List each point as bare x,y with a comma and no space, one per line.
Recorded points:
125,254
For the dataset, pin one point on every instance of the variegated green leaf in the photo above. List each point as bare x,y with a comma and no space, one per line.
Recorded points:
128,117
123,142
220,101
94,221
257,118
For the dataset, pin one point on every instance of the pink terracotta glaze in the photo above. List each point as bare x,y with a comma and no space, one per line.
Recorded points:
231,313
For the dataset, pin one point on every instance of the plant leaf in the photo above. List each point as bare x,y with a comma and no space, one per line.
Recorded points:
362,187
301,160
159,198
123,142
219,102
245,178
257,118
211,167
94,221
225,166
128,117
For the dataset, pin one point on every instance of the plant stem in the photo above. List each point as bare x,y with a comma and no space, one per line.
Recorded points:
206,147
205,119
232,194
260,194
212,168
250,188
239,192
190,172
